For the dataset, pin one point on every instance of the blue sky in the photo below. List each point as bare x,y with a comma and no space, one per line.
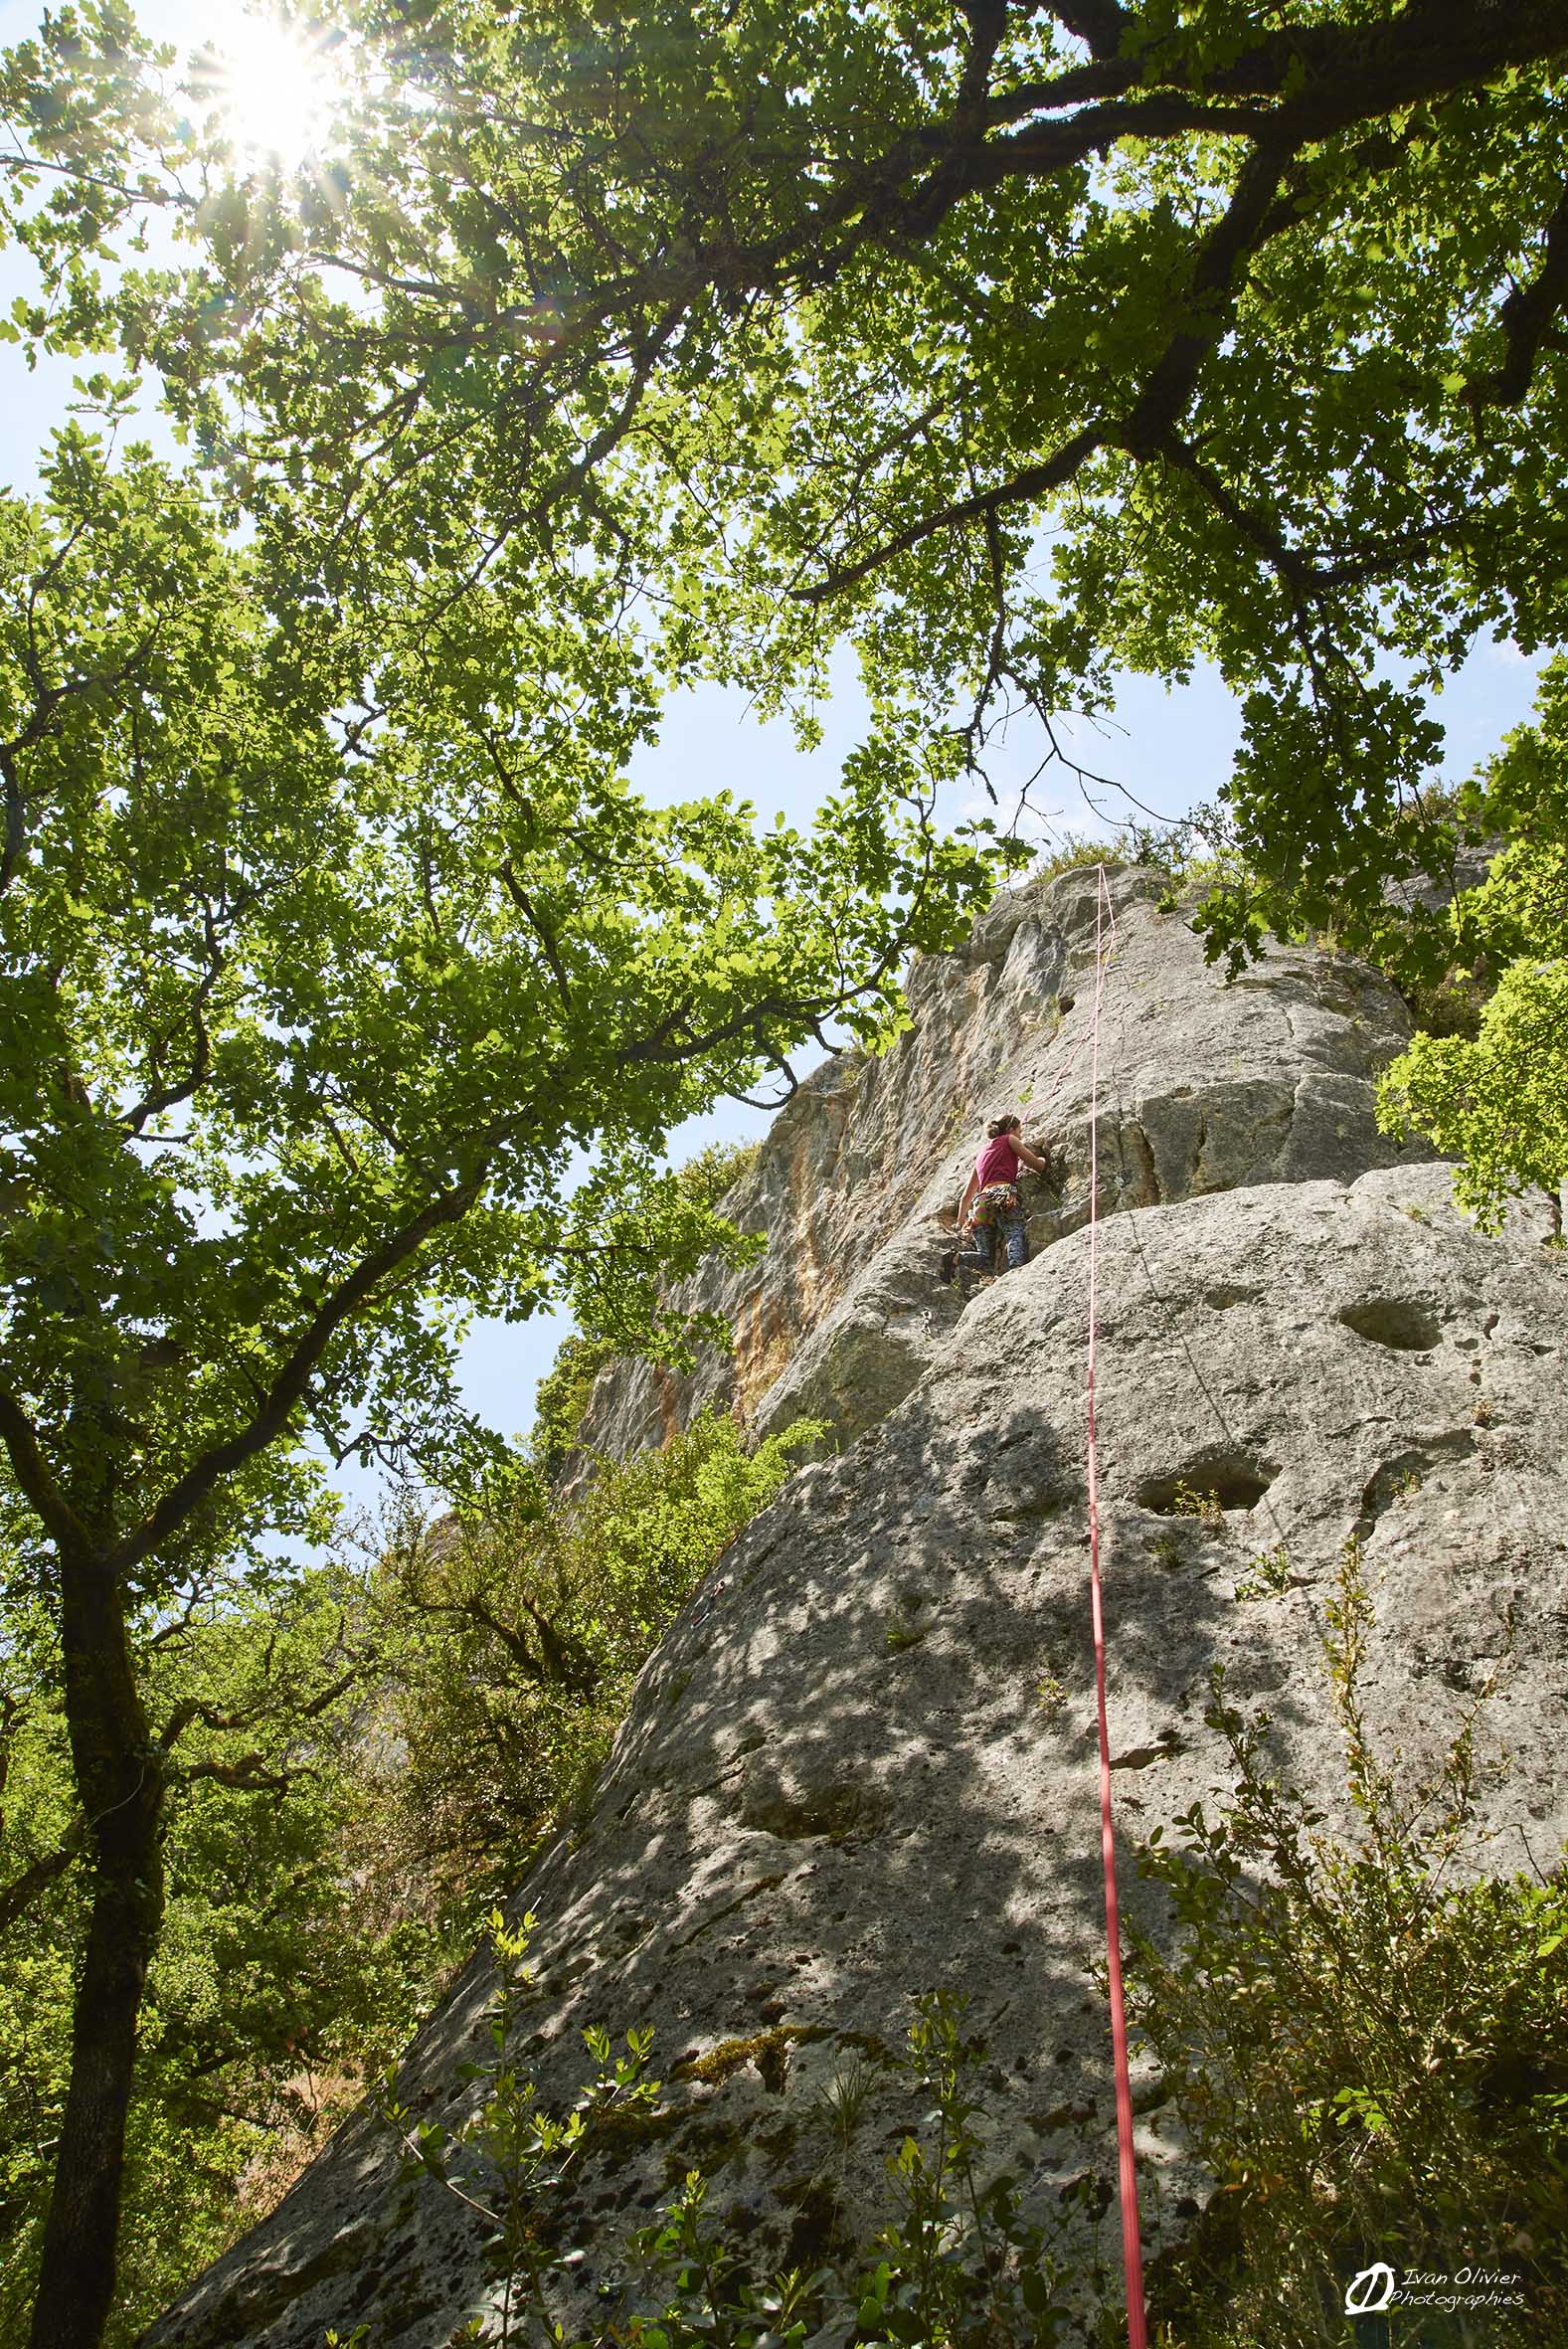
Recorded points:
1169,749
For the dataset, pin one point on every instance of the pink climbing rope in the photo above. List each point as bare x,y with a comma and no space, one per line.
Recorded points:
1127,2171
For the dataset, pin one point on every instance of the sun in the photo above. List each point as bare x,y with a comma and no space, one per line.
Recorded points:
275,86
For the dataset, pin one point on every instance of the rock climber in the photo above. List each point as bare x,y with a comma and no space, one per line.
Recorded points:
990,1205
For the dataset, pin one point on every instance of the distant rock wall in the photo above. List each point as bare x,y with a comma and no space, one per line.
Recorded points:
863,1761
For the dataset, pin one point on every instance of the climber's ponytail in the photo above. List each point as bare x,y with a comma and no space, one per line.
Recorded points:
1000,1126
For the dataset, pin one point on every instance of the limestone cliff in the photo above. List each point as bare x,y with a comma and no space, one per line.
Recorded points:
805,1819
1205,1087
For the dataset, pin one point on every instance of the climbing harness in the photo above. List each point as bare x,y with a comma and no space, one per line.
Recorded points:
994,1201
1127,2171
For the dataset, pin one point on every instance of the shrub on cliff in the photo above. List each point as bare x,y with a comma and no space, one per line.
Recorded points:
1364,2048
518,1635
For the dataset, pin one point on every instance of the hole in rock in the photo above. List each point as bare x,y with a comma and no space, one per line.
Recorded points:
1402,1477
1222,1481
1403,1322
1224,1294
832,1810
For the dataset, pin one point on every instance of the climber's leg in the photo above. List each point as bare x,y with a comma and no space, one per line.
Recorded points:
1017,1231
979,1255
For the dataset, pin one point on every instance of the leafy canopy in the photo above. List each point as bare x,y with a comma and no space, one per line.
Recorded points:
1014,343
1499,1100
331,943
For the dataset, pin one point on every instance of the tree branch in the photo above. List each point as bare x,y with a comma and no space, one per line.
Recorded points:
15,820
1034,482
525,906
1098,23
1173,379
249,1775
1525,318
291,1381
18,1896
38,1486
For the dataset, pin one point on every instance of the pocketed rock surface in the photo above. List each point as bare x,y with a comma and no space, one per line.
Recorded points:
862,1763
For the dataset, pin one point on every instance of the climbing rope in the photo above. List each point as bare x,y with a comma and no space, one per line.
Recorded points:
1127,2171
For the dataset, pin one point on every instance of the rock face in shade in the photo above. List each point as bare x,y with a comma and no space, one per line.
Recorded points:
863,1763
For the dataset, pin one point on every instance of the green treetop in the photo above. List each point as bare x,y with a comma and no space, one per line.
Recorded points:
1499,1100
1016,342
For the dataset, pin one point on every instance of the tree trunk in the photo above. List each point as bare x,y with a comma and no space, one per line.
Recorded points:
120,1778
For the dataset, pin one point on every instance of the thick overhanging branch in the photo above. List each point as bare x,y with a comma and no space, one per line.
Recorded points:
273,1702
1237,233
252,1773
1098,23
1526,320
38,1486
1296,573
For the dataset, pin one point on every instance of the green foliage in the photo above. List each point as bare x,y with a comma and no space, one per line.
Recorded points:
1492,1090
904,1631
1073,852
709,2295
518,1635
515,2144
955,2268
1194,849
1455,1003
958,2266
1200,1504
314,1018
1268,1575
716,1170
274,1984
563,1398
790,325
1362,2047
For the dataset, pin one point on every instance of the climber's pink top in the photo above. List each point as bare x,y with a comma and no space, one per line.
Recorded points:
997,1161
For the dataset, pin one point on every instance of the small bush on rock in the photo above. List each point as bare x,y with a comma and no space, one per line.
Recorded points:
1367,2054
957,2267
716,1170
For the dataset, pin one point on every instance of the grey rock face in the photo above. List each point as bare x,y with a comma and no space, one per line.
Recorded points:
863,1763
1204,1087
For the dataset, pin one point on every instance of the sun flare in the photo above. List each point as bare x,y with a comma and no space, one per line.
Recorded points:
275,86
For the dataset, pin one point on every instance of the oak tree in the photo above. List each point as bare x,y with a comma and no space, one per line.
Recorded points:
348,990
